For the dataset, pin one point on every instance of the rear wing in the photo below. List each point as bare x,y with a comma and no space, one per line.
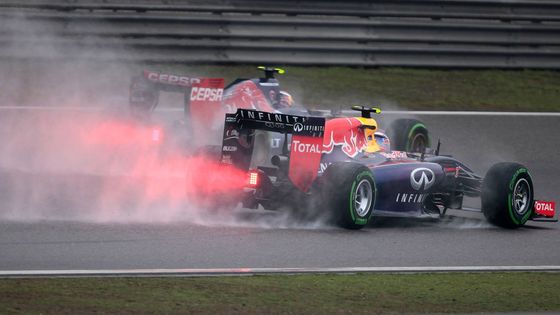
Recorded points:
145,88
171,82
202,97
305,150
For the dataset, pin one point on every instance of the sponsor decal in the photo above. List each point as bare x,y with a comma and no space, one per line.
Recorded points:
323,167
298,146
229,148
304,128
545,208
422,178
409,198
268,117
205,108
305,158
172,79
275,125
275,143
206,94
344,132
308,126
226,159
394,155
309,129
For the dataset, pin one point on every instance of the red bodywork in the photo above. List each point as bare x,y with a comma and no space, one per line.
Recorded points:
305,158
246,95
345,132
207,101
306,152
545,208
206,109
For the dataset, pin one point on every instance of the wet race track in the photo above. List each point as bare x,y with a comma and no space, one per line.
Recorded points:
260,240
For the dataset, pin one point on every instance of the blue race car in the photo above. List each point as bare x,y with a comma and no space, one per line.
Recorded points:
348,169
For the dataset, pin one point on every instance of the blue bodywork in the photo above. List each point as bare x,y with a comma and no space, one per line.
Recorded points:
396,181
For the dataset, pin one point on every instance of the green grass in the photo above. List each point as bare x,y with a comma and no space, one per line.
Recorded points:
96,84
417,89
303,294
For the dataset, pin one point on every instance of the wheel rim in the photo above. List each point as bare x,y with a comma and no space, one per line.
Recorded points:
418,143
363,196
521,196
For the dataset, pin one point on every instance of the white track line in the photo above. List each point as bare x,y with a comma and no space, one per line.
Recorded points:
345,112
255,271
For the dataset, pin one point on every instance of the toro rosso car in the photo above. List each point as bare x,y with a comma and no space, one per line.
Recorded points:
206,100
347,169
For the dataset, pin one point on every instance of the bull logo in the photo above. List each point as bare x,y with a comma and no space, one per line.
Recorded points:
344,132
422,177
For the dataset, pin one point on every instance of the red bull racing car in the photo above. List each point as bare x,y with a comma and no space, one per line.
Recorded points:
345,169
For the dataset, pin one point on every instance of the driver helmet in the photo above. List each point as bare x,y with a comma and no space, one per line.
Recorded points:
369,126
285,100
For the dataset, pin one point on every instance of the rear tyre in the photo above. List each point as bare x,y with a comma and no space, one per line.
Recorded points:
409,135
348,194
507,195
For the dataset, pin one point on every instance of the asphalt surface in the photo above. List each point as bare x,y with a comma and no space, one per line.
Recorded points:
260,240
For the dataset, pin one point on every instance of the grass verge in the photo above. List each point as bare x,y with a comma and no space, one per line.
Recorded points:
414,89
85,84
301,294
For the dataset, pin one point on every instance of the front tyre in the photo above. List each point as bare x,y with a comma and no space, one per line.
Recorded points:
507,195
348,194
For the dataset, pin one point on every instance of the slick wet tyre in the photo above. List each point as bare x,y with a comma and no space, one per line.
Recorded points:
408,135
348,193
507,195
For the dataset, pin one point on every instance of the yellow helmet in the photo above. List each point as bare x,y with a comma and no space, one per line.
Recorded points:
369,125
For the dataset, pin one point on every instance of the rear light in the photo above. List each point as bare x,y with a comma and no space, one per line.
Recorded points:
253,178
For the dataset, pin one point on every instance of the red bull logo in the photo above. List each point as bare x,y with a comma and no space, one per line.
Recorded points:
344,132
